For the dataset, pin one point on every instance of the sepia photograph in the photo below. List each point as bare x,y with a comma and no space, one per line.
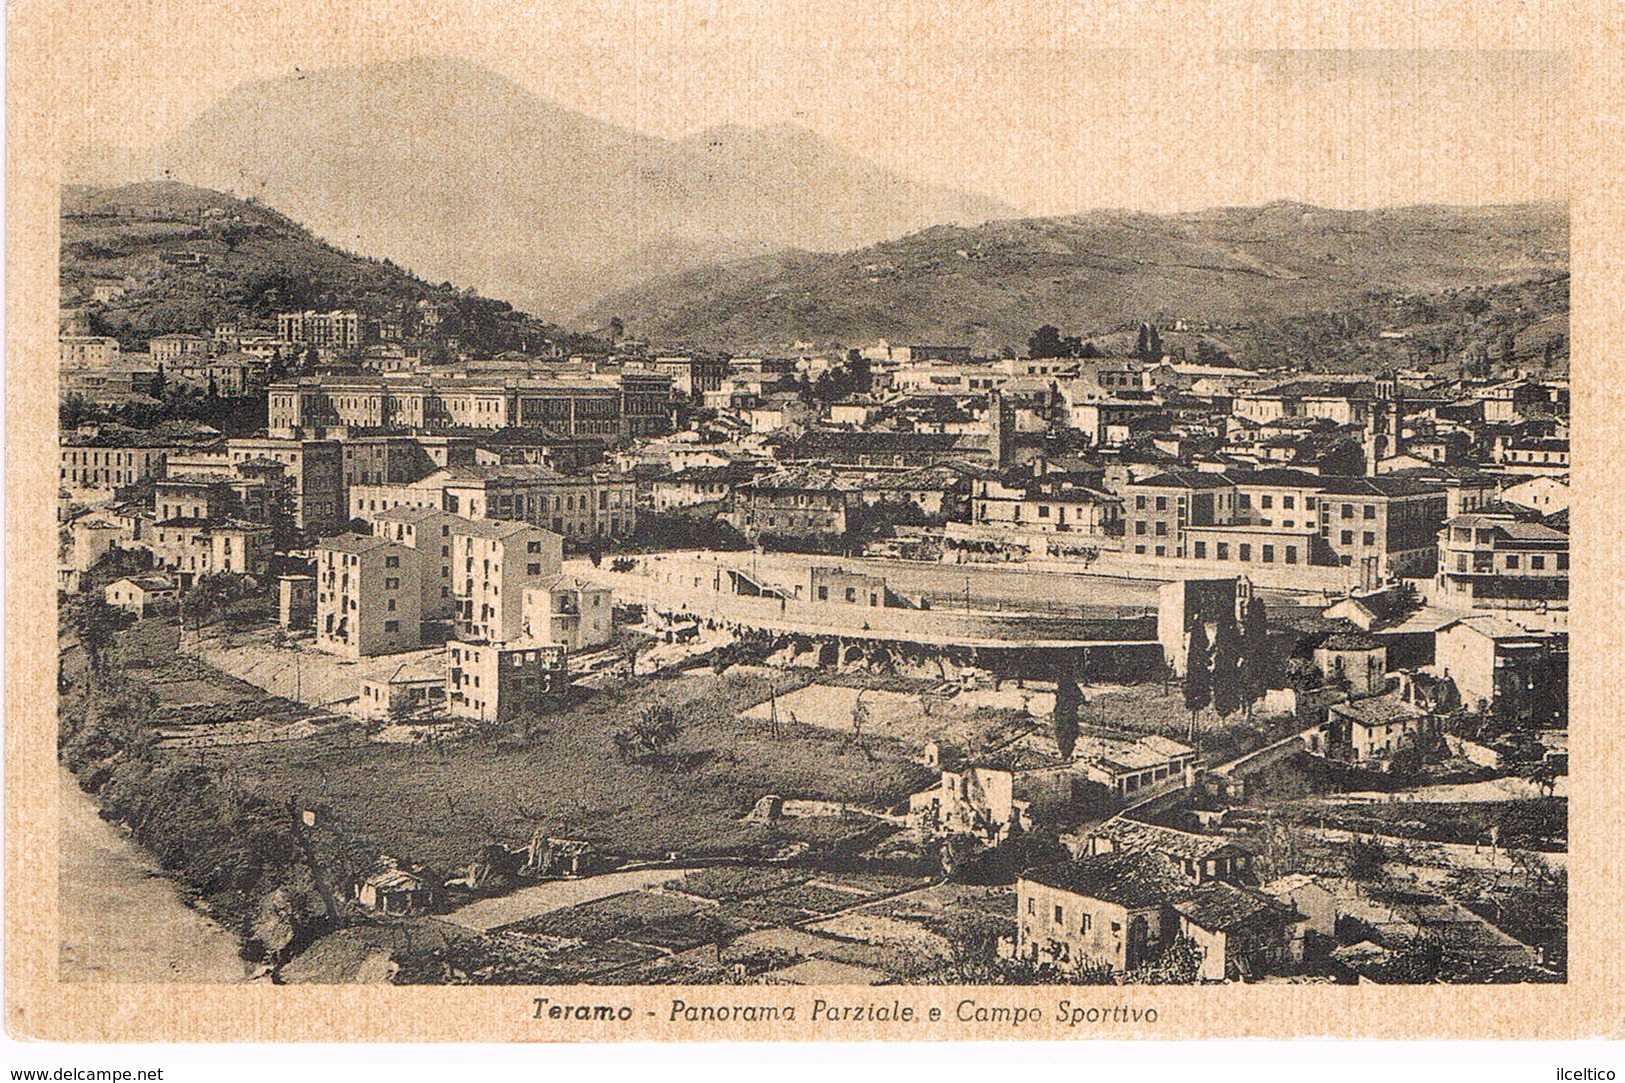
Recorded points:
653,503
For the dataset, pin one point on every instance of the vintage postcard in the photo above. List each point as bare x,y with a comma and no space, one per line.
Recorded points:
536,522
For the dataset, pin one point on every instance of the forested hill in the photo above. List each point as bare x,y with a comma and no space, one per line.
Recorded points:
1264,268
190,258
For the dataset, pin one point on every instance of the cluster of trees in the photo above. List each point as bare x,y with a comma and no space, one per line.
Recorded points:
657,531
235,416
96,625
1148,344
1235,670
841,381
213,595
1048,341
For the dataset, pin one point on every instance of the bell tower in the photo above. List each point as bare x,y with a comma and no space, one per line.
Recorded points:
1385,427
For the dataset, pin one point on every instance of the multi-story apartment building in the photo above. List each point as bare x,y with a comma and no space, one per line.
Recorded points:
692,376
1385,526
315,471
192,546
937,378
131,376
367,596
1493,561
570,611
256,490
494,682
799,502
384,460
1273,519
428,531
646,407
1466,488
1160,508
1540,456
1346,402
886,450
339,331
1047,503
492,565
1123,907
173,351
1277,497
86,351
699,485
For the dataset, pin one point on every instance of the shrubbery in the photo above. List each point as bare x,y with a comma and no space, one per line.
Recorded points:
239,853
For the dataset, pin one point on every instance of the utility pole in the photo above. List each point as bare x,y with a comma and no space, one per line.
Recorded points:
772,708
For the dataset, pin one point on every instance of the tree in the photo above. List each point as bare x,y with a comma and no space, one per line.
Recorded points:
1067,699
632,645
1545,777
1044,342
1257,662
860,718
1148,344
212,593
1509,350
96,624
1227,667
1198,675
1180,963
655,728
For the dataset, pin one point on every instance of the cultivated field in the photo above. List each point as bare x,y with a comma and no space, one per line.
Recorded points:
440,804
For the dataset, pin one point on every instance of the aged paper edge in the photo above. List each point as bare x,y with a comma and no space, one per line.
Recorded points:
1588,1006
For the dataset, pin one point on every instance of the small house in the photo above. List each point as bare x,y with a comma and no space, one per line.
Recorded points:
1354,659
1374,728
413,686
135,594
398,892
1125,907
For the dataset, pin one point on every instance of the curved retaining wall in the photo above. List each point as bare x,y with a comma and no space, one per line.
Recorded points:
698,588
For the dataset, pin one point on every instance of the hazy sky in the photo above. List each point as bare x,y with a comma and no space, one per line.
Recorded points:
1014,101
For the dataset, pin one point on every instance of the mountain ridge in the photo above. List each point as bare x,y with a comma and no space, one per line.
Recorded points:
990,285
455,170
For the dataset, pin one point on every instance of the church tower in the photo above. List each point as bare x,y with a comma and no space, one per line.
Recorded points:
1385,427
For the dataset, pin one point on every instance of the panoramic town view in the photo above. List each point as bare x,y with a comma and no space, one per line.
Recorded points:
965,598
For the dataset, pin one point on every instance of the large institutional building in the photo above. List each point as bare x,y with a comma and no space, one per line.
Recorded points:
624,406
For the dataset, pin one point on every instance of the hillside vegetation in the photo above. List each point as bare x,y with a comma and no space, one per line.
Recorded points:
1253,270
258,263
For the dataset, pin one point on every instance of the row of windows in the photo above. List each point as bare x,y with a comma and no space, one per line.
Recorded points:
113,458
1483,562
1244,552
1058,917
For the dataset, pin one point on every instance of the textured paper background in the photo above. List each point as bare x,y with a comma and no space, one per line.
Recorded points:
53,63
